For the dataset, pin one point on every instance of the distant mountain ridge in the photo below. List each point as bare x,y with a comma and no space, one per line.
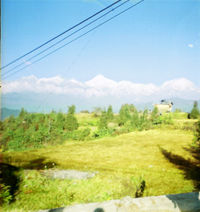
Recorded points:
6,112
57,93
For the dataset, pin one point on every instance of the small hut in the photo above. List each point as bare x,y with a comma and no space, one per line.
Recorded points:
164,106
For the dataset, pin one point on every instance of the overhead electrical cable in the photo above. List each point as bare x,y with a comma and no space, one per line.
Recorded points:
123,11
69,67
29,59
60,34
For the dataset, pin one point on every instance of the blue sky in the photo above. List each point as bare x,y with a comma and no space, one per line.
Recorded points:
154,42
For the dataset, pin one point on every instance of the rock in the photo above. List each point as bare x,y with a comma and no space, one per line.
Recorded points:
68,174
188,202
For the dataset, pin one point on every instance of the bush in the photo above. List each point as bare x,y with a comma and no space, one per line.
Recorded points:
9,183
124,114
155,116
84,111
144,122
97,111
71,122
103,132
110,114
79,135
197,136
103,121
166,119
5,196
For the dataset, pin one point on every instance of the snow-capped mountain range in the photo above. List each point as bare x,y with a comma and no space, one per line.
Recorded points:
99,90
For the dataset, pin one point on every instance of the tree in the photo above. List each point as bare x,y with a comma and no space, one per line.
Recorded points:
97,111
155,116
71,109
22,113
110,113
124,114
132,108
60,120
135,119
103,121
194,114
71,122
144,122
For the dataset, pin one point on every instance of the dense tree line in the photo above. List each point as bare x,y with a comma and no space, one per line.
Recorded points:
34,130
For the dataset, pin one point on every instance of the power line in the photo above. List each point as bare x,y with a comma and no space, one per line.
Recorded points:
60,34
29,59
78,37
69,67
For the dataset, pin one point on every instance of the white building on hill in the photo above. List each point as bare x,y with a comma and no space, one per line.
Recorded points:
164,106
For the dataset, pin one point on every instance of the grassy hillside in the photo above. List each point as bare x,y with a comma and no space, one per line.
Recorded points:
159,157
122,163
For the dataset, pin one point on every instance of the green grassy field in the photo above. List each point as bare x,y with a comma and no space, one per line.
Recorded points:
122,162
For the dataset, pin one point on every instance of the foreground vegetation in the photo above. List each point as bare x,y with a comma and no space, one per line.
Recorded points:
154,155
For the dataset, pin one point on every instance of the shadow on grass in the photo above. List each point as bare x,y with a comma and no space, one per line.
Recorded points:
37,163
191,168
9,177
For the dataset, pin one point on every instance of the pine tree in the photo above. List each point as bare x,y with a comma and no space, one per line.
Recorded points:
71,109
71,121
194,114
124,114
135,119
155,116
103,121
22,113
110,113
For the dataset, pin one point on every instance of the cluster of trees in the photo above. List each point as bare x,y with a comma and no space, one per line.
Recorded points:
128,120
143,120
33,130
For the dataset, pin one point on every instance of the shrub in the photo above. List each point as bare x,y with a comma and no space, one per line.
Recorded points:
144,122
79,135
103,121
97,111
84,111
9,183
71,122
103,132
197,136
5,196
110,114
124,114
166,119
155,116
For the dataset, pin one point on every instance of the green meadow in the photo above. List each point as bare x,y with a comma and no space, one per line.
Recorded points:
136,162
